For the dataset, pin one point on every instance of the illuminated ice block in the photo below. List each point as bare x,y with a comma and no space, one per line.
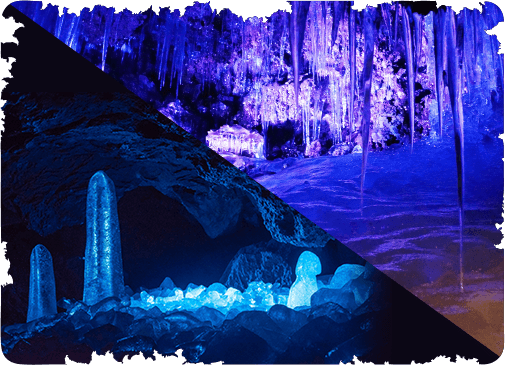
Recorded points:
307,267
42,296
103,270
344,274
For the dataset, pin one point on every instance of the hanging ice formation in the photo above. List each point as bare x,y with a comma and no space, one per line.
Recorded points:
455,62
369,28
167,40
440,44
103,271
42,295
108,24
307,268
410,71
297,22
352,65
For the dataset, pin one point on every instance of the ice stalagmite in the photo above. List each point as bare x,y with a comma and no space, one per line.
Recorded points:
455,33
307,268
42,296
103,270
410,72
369,28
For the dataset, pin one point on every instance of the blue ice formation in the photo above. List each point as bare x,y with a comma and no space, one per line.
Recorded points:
42,296
307,267
103,271
344,274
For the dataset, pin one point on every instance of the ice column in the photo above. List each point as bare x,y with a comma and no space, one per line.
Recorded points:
103,270
42,296
307,267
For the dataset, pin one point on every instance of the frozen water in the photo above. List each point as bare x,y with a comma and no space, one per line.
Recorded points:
42,297
344,274
103,271
307,267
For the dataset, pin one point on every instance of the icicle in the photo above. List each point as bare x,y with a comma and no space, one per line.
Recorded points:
59,24
178,59
410,73
108,23
338,11
296,31
74,40
398,8
418,31
369,31
42,295
282,40
455,54
439,35
71,29
162,67
352,64
386,16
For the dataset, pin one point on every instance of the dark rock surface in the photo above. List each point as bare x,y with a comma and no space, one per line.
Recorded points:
274,262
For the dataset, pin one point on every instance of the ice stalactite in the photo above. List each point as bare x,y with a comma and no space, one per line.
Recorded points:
68,37
59,23
492,15
455,41
398,10
42,295
418,41
103,270
469,55
369,29
440,45
320,35
307,268
336,111
407,36
338,9
178,59
386,16
108,24
297,22
165,48
75,33
352,65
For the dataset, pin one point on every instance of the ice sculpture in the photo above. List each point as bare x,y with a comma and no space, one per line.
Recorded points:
42,296
307,267
103,271
344,274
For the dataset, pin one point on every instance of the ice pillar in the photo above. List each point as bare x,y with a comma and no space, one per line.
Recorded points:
42,295
307,267
103,270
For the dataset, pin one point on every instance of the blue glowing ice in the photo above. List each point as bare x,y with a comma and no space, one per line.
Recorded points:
307,267
344,274
103,271
42,297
